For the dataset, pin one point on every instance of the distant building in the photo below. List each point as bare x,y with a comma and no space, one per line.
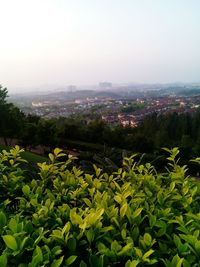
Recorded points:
182,104
110,119
105,85
71,88
127,120
79,101
37,104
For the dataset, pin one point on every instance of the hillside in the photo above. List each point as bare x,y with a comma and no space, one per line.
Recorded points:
65,217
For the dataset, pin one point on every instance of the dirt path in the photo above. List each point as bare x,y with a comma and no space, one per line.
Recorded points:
40,150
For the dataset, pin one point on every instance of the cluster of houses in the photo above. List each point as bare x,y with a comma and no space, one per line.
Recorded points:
158,106
123,119
110,109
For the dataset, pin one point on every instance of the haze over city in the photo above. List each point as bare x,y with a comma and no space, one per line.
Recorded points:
84,42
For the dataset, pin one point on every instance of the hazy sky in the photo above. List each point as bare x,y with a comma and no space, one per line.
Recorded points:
61,42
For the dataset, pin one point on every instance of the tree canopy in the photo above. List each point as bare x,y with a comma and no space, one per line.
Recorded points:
11,118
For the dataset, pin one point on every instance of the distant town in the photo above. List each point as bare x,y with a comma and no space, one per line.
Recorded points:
122,105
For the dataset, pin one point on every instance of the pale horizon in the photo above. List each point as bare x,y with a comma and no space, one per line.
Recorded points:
48,42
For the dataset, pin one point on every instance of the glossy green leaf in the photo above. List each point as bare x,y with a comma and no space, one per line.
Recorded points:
83,264
26,190
70,260
123,209
3,220
147,239
57,263
137,212
10,242
147,254
3,260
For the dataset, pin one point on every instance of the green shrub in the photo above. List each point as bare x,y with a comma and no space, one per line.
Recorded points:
134,217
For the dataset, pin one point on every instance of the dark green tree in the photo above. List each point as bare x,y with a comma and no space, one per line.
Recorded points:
11,118
47,134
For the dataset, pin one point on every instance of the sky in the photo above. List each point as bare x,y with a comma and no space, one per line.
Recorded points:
62,42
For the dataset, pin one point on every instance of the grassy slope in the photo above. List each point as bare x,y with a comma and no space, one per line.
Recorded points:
30,157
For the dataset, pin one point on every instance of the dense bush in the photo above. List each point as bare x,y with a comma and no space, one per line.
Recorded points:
64,217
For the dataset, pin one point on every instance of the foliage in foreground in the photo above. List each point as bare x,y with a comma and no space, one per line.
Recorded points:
134,217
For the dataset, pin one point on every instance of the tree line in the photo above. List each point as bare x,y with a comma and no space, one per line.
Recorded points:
155,132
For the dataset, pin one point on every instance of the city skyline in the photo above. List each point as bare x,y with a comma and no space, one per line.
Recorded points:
74,42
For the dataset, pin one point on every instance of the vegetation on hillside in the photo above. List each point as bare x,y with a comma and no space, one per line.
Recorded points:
66,217
10,118
97,137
